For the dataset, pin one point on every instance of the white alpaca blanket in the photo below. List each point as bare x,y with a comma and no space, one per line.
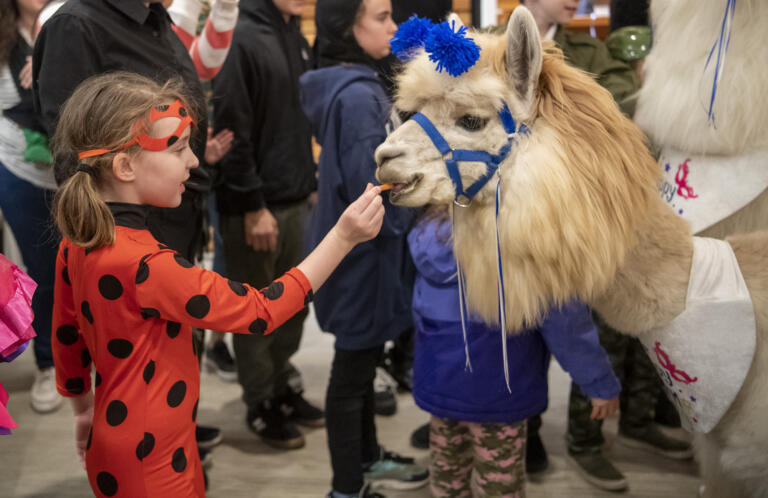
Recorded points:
707,189
704,354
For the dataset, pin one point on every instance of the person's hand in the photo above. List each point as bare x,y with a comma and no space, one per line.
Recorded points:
261,230
217,145
25,75
362,219
604,408
83,423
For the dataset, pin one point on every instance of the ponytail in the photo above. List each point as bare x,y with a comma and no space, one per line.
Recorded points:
81,214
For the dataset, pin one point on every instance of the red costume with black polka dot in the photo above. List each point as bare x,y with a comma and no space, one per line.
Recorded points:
129,308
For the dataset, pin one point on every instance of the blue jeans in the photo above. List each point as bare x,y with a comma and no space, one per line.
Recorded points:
27,209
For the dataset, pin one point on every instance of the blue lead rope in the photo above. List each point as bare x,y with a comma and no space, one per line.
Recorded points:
721,45
492,162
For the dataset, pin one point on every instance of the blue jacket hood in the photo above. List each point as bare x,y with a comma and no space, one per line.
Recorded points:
320,88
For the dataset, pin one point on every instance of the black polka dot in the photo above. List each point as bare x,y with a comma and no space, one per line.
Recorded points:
309,297
85,309
198,306
179,462
162,108
75,385
116,413
120,348
107,483
90,439
65,276
172,140
237,288
258,326
110,287
145,446
172,329
182,112
67,334
181,261
66,254
85,358
176,394
98,379
149,371
274,291
143,272
147,313
194,410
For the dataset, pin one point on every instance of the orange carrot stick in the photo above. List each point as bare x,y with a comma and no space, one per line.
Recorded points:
385,186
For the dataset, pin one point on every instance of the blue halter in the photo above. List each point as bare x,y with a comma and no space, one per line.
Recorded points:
492,162
454,156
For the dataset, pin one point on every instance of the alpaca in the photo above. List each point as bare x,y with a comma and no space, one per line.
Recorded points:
580,215
673,105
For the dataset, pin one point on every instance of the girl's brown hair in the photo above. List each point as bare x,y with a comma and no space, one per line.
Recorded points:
102,113
9,29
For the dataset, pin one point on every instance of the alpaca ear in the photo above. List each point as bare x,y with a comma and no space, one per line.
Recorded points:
523,55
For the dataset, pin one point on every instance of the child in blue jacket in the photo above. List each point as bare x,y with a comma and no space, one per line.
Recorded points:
477,425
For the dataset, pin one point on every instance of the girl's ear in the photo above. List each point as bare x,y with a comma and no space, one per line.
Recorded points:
123,168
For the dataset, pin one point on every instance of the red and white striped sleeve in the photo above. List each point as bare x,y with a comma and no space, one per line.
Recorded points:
209,49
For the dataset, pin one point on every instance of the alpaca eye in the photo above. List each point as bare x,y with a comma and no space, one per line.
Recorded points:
472,123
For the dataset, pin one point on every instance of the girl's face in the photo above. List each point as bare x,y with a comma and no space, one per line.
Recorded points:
375,28
160,175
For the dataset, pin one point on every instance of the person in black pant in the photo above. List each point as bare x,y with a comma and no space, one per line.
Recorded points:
267,179
89,37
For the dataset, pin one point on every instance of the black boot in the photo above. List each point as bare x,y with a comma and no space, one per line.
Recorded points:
268,422
535,455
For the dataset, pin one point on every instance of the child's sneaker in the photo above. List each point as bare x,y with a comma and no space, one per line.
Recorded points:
394,471
384,393
597,470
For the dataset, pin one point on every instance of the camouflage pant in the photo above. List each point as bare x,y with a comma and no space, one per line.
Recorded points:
640,389
484,460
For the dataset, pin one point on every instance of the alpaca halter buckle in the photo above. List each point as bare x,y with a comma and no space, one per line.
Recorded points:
452,157
154,144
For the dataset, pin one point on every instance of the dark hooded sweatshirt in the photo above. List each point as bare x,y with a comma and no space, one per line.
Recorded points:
256,95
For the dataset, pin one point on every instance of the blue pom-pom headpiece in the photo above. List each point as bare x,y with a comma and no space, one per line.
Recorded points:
410,37
451,49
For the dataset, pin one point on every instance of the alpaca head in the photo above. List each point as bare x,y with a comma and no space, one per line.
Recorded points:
575,191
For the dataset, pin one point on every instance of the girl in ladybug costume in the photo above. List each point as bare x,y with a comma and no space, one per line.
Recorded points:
125,303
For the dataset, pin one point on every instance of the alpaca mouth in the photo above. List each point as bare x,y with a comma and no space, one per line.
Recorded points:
400,189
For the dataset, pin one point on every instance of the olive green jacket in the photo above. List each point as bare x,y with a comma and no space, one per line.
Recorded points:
591,55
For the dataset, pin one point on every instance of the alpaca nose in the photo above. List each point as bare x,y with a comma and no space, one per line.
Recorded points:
385,152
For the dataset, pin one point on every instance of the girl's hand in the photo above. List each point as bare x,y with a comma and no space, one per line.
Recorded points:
604,408
362,219
83,424
25,75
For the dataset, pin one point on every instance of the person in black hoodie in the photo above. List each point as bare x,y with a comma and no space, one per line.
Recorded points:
266,180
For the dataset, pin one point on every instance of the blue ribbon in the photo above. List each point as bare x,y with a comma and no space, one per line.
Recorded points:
721,45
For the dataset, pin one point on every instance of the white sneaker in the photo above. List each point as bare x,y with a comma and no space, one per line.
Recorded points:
44,396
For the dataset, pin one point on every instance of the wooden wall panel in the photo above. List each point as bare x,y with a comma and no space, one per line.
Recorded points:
599,26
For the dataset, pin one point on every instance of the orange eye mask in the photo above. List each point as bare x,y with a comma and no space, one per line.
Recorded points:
174,110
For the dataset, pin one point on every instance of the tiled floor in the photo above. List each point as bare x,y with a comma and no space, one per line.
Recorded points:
38,459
